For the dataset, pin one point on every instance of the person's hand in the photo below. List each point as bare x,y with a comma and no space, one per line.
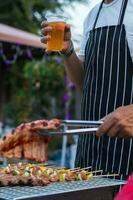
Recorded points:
46,29
118,123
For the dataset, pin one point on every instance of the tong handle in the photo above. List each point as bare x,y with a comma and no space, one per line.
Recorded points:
81,131
69,132
81,123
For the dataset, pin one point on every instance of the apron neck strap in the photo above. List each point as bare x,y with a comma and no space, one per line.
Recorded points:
100,8
122,12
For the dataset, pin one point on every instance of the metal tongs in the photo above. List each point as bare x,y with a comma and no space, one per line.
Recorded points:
74,127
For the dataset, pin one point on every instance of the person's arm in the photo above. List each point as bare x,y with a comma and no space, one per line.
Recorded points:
118,123
74,66
75,70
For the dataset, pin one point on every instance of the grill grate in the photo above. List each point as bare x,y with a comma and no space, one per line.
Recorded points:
18,192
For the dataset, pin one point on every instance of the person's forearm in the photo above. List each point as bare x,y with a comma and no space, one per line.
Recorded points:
75,70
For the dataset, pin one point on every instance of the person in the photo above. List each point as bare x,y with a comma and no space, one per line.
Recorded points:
126,193
103,71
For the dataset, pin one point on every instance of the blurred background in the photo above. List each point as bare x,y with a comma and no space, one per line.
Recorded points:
34,85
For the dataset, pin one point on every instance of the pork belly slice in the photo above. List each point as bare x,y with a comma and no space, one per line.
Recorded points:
39,124
43,150
27,150
39,148
18,151
54,124
6,142
36,148
24,141
8,154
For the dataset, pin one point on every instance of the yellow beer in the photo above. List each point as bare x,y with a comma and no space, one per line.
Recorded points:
57,36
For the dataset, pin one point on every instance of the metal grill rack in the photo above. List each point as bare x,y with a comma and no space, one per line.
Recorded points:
53,190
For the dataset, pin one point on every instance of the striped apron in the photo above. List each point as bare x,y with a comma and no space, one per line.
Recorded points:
108,85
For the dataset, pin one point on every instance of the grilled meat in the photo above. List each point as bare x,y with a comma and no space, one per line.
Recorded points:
25,142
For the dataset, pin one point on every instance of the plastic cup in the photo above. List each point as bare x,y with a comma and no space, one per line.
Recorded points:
56,42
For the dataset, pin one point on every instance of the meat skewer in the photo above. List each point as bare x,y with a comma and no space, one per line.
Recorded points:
35,175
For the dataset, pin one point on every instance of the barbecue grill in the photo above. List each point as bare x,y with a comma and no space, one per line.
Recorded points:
94,189
97,188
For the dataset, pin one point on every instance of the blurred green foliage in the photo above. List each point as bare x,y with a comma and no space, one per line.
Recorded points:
27,14
32,89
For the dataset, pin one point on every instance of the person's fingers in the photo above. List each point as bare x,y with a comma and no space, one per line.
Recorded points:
67,36
46,30
45,39
125,133
106,117
104,128
48,52
101,130
67,28
120,134
113,131
102,119
44,24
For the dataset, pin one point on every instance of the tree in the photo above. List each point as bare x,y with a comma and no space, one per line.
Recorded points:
27,14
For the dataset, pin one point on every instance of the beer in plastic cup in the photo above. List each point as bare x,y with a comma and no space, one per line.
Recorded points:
57,35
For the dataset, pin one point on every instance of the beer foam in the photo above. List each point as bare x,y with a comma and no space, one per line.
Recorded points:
54,19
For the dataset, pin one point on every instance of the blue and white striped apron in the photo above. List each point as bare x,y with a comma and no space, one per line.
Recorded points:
108,85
